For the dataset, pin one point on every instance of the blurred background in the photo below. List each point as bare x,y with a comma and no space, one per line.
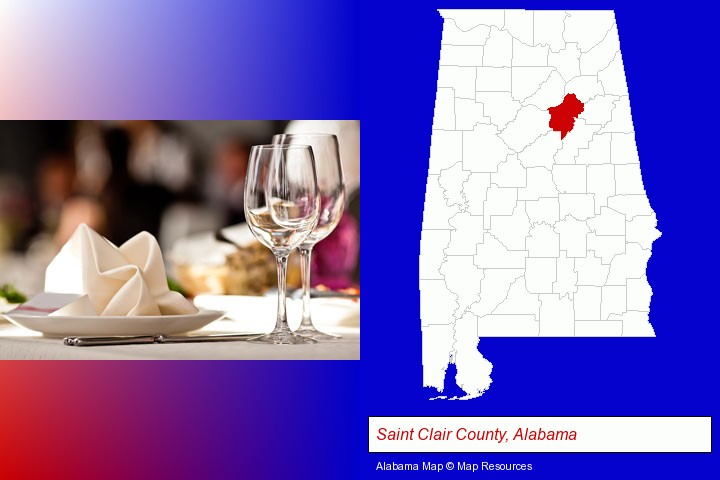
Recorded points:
182,181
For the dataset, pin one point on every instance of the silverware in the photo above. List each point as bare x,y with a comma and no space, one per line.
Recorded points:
296,294
159,338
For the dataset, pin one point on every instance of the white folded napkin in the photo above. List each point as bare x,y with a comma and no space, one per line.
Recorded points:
115,281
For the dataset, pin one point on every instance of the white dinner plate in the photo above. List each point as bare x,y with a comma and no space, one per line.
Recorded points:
259,313
6,307
59,326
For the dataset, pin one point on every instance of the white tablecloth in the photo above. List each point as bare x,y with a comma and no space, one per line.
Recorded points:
20,344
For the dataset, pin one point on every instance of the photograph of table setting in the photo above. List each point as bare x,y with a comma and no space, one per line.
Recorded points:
179,240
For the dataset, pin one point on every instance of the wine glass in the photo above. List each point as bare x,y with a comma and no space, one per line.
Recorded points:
281,208
331,187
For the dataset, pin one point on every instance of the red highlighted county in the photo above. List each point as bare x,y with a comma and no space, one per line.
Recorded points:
562,117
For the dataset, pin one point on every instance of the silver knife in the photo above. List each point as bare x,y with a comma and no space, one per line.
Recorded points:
159,338
297,294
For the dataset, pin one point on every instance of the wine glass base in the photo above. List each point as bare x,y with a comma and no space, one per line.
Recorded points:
282,338
314,333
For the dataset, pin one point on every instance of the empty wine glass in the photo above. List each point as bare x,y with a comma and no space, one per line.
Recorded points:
331,187
282,208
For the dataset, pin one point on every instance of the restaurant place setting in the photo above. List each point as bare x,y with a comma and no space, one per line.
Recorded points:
232,283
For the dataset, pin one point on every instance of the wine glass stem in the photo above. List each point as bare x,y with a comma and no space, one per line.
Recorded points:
282,324
305,257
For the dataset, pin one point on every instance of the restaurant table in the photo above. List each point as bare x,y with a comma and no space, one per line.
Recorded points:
17,343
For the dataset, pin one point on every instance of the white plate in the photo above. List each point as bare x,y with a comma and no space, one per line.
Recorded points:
6,307
108,326
259,313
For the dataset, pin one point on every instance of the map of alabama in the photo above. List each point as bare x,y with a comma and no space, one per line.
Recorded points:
536,220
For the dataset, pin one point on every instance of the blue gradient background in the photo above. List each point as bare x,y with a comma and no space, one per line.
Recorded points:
376,61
